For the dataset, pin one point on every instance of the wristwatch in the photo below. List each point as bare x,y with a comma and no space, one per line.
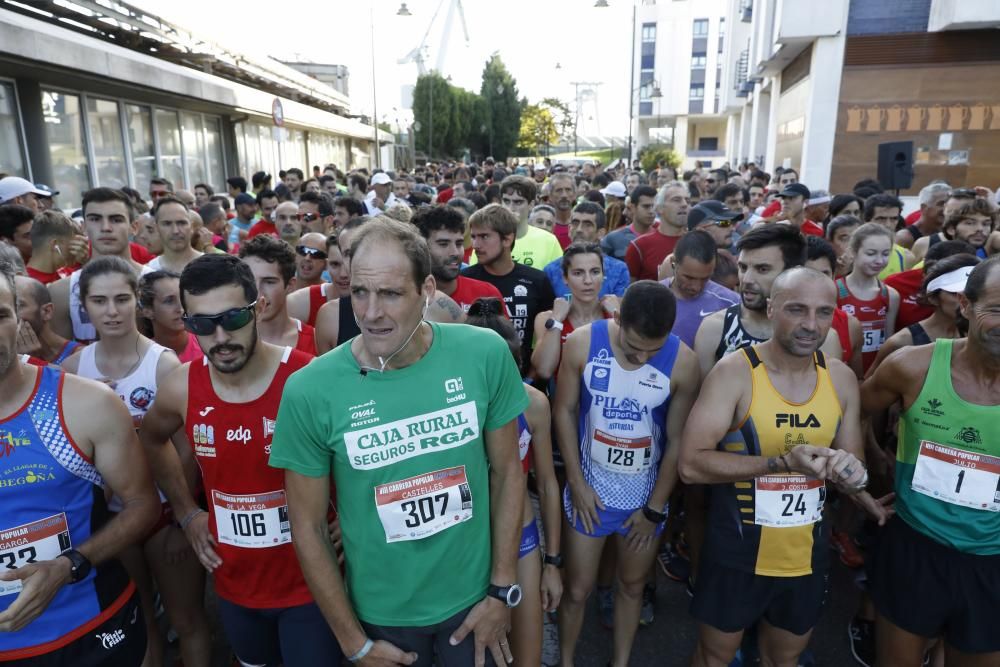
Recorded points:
556,560
553,324
652,515
509,595
80,566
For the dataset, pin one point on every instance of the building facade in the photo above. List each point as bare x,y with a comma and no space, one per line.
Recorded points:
679,48
818,86
86,100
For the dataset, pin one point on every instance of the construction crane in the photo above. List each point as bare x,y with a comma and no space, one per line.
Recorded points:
419,54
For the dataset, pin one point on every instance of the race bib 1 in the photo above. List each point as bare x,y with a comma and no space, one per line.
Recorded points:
255,521
957,476
625,455
784,501
33,542
421,506
872,337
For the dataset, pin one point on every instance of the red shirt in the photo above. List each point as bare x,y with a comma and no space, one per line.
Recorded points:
843,329
913,218
908,283
262,227
871,314
307,339
811,228
317,298
43,277
140,254
232,442
562,233
645,254
192,352
468,290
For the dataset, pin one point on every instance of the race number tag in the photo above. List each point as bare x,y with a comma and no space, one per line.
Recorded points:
872,337
784,501
421,506
957,476
255,521
33,542
630,456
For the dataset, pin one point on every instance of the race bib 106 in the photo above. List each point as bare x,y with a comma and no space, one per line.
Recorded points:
624,455
421,506
254,521
785,501
957,476
32,542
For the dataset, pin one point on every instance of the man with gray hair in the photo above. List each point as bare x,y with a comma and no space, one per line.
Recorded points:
932,200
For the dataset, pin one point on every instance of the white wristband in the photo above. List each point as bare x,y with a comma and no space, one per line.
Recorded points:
362,652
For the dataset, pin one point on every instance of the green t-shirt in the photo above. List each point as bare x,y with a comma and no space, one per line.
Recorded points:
948,464
410,467
536,249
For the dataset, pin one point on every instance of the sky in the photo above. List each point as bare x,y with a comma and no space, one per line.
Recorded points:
532,36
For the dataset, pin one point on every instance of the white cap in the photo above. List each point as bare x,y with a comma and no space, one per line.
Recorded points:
953,281
381,178
15,186
615,189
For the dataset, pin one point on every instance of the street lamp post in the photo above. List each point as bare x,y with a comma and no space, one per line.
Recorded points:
402,11
631,81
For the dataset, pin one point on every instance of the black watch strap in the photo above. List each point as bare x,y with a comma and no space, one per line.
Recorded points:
80,566
652,515
556,560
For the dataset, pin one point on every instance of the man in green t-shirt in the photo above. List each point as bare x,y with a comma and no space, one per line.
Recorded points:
935,571
412,418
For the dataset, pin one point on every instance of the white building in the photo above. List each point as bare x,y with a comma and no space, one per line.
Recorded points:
679,45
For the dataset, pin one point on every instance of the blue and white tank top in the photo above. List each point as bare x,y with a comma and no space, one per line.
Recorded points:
622,424
51,499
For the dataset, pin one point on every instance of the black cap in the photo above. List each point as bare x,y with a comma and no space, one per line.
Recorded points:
795,190
710,210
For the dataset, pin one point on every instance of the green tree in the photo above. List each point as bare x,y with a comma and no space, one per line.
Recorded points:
433,99
561,114
538,129
653,153
503,111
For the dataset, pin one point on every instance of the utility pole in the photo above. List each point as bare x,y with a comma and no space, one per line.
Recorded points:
589,88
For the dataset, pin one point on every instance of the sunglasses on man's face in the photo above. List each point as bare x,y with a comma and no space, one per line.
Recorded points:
723,223
230,320
307,217
306,251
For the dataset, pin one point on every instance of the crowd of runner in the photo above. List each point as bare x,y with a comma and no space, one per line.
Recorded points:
408,417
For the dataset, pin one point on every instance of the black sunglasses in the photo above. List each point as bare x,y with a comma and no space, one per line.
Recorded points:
230,320
306,251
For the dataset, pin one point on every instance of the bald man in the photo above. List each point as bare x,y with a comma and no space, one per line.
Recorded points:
310,260
35,337
773,422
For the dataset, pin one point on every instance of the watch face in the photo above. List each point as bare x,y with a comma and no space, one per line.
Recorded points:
514,596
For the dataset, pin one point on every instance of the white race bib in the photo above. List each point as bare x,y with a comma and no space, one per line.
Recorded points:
784,501
33,542
872,338
624,455
254,521
957,476
421,506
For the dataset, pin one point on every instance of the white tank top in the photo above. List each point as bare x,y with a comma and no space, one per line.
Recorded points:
138,389
83,330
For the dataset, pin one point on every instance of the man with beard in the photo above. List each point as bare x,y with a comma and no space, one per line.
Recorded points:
562,194
287,223
763,254
227,406
444,229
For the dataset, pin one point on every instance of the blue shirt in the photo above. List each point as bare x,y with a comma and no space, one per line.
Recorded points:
616,278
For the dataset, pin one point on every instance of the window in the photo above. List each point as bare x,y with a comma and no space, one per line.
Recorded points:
708,143
194,148
64,133
168,134
11,150
140,137
106,141
700,28
645,108
722,27
698,61
213,144
697,92
649,32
